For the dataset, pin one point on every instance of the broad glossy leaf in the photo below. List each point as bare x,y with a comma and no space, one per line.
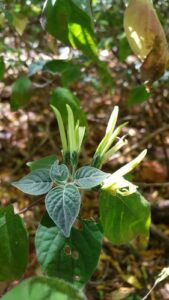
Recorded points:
71,22
59,172
43,163
61,97
36,183
13,245
124,217
63,205
43,288
89,177
72,259
21,92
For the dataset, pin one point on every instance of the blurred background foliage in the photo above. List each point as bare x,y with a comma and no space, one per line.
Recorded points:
26,47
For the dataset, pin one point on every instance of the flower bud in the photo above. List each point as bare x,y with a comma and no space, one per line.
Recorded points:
146,38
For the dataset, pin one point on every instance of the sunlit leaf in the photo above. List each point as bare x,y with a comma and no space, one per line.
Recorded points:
124,217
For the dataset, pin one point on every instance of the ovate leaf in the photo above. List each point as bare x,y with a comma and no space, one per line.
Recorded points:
43,288
71,23
61,97
43,163
21,92
72,259
59,172
13,246
35,183
124,217
63,205
89,177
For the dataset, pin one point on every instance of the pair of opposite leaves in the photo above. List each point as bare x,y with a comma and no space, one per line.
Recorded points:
147,38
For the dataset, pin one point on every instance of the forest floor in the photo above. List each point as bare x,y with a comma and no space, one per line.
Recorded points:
32,133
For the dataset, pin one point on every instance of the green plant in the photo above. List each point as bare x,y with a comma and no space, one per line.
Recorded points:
68,246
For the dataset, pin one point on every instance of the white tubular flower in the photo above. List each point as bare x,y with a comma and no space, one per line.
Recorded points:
73,138
116,183
109,130
112,120
71,130
104,150
121,142
61,129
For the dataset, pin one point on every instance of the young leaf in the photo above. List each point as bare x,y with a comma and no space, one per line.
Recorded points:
61,97
13,246
59,172
68,259
21,92
63,205
71,23
43,163
35,183
124,217
42,288
89,177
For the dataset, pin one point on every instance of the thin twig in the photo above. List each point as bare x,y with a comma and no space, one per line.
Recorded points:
159,234
159,184
147,138
30,206
30,155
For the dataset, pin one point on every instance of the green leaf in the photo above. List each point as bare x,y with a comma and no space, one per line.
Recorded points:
2,68
89,177
124,48
43,163
43,288
13,246
72,259
21,92
59,172
36,183
63,205
63,96
71,23
138,95
69,71
124,217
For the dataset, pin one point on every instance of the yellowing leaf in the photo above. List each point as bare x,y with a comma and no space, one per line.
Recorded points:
20,22
147,39
121,293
